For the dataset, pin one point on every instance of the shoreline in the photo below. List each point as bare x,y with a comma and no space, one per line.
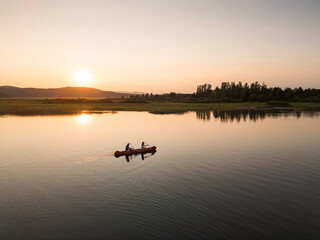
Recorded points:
30,107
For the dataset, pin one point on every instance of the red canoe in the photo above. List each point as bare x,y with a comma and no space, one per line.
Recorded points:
135,151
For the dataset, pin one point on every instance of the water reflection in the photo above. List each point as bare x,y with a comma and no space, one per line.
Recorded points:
143,156
252,115
84,118
229,180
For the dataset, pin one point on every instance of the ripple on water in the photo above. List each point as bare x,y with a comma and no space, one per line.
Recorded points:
230,180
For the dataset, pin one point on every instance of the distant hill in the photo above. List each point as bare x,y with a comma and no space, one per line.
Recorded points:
65,92
133,93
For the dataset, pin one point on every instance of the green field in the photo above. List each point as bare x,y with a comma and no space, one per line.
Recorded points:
25,107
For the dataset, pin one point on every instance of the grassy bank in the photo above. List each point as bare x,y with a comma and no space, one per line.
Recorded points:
24,107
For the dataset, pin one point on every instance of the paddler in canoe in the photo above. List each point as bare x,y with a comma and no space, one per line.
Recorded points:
144,145
128,149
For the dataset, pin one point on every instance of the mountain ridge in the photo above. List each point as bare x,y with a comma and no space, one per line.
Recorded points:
63,92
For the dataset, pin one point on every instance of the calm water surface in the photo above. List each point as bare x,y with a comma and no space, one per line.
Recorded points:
214,176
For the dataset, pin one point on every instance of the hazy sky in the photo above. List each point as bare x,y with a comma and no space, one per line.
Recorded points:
159,46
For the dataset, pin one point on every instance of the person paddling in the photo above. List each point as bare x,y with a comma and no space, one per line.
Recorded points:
144,145
128,147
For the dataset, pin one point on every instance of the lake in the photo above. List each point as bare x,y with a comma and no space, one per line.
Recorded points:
215,175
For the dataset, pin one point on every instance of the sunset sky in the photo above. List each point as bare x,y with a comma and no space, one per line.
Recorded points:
159,45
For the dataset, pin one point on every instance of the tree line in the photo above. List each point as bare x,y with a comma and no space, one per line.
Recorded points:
232,92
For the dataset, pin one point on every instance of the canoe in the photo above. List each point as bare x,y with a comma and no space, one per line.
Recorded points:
135,151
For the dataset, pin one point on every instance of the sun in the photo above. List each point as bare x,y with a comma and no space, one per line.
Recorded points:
82,77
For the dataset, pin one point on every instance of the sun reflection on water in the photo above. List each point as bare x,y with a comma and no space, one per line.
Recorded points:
84,119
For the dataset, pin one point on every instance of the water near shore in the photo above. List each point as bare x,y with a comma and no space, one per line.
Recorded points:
216,175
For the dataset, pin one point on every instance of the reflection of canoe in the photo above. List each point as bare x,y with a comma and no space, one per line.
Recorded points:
135,151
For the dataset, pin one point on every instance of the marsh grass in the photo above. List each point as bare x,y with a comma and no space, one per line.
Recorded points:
24,107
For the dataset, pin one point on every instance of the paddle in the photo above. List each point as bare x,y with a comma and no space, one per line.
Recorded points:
133,148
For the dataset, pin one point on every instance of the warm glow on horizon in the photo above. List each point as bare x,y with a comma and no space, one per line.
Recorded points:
159,46
82,77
